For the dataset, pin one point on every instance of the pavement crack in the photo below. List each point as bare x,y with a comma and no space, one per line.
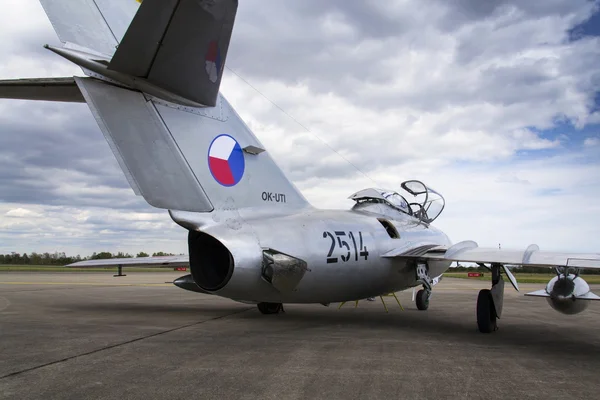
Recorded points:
112,346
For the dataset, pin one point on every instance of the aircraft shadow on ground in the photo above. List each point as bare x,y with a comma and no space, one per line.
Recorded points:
193,309
543,339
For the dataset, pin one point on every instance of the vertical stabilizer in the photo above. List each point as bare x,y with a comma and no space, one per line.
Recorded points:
196,157
179,45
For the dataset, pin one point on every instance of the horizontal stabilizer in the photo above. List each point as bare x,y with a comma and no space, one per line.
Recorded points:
179,46
146,262
46,89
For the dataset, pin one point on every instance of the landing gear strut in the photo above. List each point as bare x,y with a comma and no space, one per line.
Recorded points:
490,302
270,308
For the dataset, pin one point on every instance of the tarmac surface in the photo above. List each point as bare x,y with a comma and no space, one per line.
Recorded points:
92,336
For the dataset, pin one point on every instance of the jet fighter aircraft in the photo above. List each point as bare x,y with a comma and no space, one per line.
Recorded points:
152,77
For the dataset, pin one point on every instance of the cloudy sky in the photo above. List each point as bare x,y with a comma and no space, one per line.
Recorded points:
495,104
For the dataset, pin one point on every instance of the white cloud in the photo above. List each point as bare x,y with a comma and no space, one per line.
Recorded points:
21,212
75,230
591,142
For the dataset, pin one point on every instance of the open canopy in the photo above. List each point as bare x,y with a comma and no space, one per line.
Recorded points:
415,199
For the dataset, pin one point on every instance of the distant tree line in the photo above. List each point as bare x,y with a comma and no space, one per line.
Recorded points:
62,259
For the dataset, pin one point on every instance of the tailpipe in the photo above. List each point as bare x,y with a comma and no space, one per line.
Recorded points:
211,263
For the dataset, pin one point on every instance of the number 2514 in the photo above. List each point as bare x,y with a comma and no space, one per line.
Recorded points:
349,245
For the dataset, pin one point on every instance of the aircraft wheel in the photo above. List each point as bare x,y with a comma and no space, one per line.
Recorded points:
422,299
486,313
270,308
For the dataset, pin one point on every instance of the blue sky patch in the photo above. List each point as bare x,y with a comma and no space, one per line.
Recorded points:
590,27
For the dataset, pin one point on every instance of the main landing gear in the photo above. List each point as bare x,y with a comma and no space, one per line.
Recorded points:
424,294
270,308
486,312
490,302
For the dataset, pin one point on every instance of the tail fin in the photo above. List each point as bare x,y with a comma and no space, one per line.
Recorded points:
177,157
179,45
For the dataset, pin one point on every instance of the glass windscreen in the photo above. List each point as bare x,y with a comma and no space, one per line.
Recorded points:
396,200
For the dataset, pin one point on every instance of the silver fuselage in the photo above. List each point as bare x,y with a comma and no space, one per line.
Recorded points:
342,248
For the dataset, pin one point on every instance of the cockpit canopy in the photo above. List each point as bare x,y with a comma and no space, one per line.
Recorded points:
423,202
428,204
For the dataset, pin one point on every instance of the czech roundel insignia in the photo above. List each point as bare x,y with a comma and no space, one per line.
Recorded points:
226,160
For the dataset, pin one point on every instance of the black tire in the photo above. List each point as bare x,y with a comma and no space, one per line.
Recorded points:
422,299
486,313
270,308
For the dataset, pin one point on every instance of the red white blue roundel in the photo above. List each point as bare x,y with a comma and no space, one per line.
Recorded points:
226,160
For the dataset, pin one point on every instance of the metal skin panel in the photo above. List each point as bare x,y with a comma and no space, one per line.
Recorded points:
144,146
309,236
82,23
262,185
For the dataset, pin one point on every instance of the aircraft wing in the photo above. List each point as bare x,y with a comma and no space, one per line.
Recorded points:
469,251
146,262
